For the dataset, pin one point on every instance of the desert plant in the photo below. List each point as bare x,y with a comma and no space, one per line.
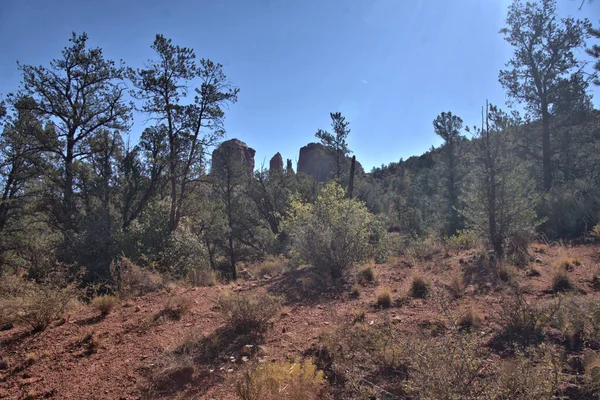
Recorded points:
591,364
384,297
175,307
561,281
596,231
130,280
355,292
333,233
578,320
456,284
248,313
172,369
353,351
447,367
365,274
297,381
271,266
35,304
105,304
469,319
463,240
419,288
521,323
534,373
425,249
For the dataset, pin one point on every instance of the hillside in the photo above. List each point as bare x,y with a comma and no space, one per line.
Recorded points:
123,355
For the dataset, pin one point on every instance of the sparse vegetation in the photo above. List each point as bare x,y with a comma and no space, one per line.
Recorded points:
175,307
384,297
561,281
248,313
105,304
456,283
293,381
34,304
469,319
470,271
419,288
366,274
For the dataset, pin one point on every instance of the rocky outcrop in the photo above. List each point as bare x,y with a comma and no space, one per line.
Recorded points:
235,151
315,161
276,163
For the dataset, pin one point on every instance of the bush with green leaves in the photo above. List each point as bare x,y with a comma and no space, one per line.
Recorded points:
185,255
333,233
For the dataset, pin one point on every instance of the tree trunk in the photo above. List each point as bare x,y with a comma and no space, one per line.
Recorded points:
546,149
351,181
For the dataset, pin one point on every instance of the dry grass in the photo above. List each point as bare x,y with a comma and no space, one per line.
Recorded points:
248,313
419,287
291,381
172,370
561,280
36,305
130,280
203,277
355,292
384,297
469,319
175,308
271,266
456,283
105,304
366,274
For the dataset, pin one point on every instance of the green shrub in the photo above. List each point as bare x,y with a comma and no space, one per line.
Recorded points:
425,249
297,381
248,313
105,304
462,240
185,255
333,233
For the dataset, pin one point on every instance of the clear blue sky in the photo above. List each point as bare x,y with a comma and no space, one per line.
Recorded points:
390,66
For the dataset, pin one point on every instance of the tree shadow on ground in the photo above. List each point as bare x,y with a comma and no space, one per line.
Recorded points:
306,286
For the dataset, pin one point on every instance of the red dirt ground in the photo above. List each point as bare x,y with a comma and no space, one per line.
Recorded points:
130,339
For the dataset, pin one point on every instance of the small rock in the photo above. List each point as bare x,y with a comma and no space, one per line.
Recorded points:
138,308
244,359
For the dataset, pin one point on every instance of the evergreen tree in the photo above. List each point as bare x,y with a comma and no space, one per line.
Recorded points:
543,56
336,142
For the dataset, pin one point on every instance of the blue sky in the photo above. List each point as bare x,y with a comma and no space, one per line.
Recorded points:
390,66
